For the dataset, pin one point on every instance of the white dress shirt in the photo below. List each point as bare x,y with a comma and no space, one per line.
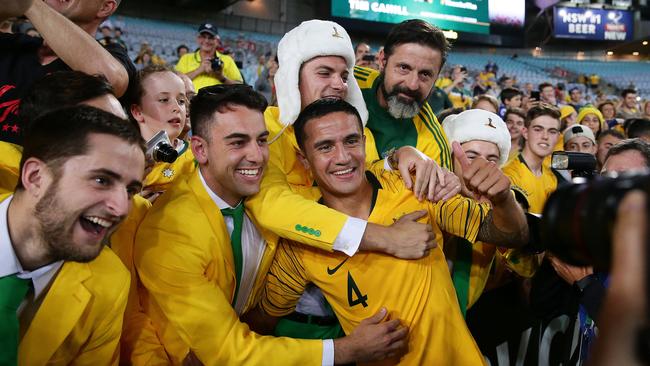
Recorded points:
253,246
10,265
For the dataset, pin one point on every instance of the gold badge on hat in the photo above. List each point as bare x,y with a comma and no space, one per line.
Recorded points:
336,33
489,124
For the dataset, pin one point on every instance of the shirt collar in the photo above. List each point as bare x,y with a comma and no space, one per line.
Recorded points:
9,263
217,200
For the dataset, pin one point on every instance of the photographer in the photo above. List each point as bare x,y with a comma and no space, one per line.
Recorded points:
207,66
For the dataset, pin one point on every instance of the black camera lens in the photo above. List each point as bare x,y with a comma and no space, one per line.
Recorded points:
165,153
578,219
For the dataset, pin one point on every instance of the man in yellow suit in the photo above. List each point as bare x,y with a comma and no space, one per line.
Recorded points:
202,258
63,293
420,292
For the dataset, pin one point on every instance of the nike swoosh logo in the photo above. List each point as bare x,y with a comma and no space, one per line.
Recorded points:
332,271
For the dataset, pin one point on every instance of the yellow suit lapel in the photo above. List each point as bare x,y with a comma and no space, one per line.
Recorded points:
60,311
213,214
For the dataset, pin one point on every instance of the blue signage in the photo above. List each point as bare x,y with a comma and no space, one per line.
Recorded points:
593,24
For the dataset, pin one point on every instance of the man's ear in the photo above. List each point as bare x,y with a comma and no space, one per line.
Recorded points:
303,160
136,112
107,9
35,177
381,59
524,133
200,149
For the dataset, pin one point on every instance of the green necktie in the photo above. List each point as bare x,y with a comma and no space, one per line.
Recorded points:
12,293
237,215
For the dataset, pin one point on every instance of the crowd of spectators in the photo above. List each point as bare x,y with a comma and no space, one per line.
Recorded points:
172,211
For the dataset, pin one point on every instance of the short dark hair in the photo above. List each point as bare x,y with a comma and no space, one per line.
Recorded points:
61,89
516,111
607,102
575,88
542,109
178,49
416,31
638,127
448,112
509,93
544,85
488,98
63,133
137,90
211,99
613,133
320,108
631,144
625,92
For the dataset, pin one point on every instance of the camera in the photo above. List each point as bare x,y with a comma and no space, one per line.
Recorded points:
582,165
216,63
160,149
578,219
368,57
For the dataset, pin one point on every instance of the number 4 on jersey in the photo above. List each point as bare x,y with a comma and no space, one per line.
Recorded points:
353,291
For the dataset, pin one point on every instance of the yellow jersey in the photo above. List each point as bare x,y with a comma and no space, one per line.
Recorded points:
191,61
536,189
418,292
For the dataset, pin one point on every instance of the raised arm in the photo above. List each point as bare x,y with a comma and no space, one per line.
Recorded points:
76,47
505,223
13,8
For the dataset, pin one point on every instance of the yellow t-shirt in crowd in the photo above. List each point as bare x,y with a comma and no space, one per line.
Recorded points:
536,189
191,61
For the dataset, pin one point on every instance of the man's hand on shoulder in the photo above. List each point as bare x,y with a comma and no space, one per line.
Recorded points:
405,238
432,182
375,339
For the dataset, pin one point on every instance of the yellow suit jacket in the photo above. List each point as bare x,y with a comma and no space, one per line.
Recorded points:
302,220
10,156
184,259
79,321
140,344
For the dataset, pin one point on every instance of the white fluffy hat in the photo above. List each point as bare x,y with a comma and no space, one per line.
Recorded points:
478,124
308,40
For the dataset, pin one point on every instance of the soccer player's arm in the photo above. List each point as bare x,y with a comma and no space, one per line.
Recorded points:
285,283
459,216
172,266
